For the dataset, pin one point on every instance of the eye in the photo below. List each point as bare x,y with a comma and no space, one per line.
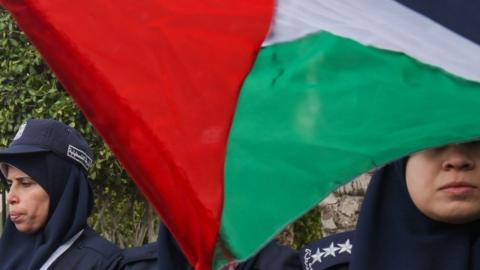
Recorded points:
26,183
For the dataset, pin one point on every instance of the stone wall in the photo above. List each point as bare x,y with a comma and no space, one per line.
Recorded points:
339,211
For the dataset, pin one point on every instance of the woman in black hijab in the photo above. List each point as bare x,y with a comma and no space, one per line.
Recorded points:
422,212
49,201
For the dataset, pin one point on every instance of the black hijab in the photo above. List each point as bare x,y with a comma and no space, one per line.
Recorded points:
393,234
71,202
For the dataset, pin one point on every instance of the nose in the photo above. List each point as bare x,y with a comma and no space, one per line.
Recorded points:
458,158
12,198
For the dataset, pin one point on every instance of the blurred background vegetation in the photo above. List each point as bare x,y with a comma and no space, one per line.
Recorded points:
29,90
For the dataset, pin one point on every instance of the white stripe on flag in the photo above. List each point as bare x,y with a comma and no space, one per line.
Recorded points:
383,24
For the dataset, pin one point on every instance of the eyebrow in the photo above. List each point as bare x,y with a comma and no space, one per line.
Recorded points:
20,178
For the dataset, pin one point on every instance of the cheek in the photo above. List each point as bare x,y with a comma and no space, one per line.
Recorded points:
420,180
40,204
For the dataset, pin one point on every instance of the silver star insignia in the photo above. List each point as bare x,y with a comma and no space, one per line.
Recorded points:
330,250
347,247
317,257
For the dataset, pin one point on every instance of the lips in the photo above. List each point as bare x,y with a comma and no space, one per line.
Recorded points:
458,188
15,216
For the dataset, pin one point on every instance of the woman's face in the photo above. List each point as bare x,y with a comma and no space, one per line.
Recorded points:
444,183
28,202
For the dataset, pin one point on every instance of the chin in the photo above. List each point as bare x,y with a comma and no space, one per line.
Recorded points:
458,217
454,212
25,229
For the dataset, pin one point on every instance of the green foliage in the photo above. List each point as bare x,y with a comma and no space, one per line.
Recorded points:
29,90
307,228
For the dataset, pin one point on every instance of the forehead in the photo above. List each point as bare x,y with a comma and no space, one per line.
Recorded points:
12,172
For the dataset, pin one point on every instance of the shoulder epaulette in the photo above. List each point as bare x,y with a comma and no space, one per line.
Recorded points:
327,252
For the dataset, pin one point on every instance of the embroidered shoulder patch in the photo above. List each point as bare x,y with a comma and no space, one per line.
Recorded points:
79,156
327,252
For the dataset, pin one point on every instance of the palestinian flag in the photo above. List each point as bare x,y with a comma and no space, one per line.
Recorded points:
235,117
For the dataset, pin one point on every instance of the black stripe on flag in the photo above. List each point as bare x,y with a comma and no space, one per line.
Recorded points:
460,16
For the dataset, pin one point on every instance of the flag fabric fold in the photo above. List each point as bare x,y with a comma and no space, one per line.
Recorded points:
337,88
159,80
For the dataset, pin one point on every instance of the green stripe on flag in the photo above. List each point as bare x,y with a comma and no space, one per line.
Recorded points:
316,112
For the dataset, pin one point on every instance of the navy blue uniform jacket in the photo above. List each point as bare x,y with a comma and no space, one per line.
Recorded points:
89,252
